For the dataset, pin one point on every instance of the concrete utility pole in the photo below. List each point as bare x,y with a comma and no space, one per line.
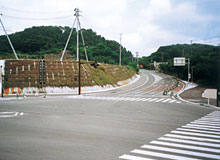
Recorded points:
189,75
78,28
137,58
120,52
8,39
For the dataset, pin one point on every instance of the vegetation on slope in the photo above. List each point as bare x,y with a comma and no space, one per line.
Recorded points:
203,62
35,42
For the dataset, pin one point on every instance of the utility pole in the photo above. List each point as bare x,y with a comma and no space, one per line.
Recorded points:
8,39
78,28
2,78
79,76
189,75
137,58
77,33
120,52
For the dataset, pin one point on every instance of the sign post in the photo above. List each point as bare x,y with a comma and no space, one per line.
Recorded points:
181,61
218,84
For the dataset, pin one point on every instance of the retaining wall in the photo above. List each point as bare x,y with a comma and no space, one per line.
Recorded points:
24,76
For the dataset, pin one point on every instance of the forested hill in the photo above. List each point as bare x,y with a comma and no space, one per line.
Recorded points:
35,42
203,62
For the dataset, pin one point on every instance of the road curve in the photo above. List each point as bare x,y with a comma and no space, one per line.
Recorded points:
136,122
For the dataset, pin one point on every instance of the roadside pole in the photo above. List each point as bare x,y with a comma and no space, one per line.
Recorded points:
2,77
79,80
218,84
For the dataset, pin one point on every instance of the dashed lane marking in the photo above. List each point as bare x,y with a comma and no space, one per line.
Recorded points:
197,142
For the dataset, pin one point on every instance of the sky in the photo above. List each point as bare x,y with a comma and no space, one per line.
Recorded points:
145,25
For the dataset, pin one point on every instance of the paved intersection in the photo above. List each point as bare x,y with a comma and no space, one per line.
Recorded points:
136,122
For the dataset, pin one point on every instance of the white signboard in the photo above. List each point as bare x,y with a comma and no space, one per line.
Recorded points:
179,61
210,93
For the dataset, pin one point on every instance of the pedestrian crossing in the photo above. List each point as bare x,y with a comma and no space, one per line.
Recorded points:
156,100
189,142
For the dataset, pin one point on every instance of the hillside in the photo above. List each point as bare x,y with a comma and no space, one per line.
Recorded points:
203,62
35,42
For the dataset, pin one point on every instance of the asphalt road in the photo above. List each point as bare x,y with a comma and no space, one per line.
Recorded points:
136,122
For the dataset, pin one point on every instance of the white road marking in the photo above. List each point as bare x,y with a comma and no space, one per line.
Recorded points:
196,134
200,131
172,101
186,146
198,138
163,100
10,114
159,100
206,123
166,100
189,142
202,128
192,138
154,99
162,155
191,153
129,157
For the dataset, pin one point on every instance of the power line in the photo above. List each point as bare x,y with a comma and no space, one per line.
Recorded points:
38,19
29,11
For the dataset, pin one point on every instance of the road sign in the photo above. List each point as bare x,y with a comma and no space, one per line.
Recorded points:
179,61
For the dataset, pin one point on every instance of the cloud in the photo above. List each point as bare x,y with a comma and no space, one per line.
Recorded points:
163,23
145,24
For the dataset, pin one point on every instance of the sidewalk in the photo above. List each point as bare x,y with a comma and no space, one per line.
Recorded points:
195,95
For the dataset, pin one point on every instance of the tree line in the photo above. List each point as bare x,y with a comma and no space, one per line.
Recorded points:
204,60
35,42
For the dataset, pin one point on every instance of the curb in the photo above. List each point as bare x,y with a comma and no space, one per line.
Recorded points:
183,100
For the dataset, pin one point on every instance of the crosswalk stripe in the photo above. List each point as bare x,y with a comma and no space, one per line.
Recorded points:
172,101
186,146
207,123
192,138
162,155
210,119
146,99
200,131
163,100
159,100
202,128
205,126
129,157
190,142
154,99
166,100
191,153
196,134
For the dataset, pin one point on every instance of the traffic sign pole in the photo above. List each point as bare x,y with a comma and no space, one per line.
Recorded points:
218,84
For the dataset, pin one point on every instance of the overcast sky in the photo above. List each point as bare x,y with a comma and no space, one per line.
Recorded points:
145,25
